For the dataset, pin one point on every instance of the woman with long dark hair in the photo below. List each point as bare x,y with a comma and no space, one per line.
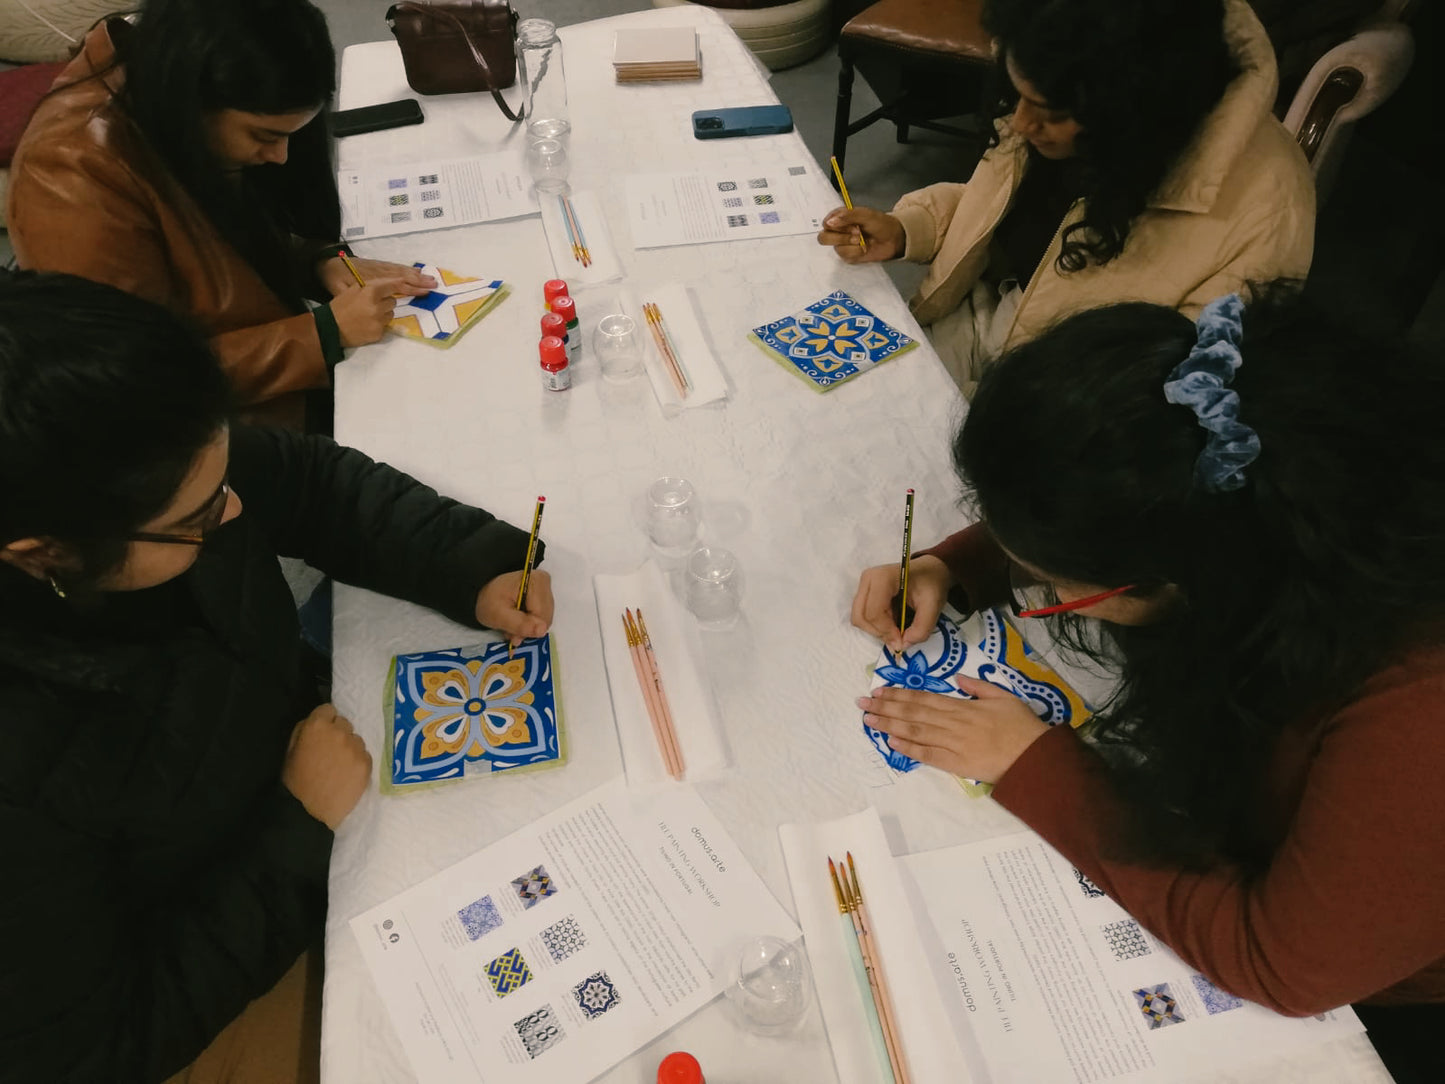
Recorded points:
1134,157
171,776
186,159
1246,517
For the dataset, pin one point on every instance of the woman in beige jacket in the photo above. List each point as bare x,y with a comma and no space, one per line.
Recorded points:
1135,158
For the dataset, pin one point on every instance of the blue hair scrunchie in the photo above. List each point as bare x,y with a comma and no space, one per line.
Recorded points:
1200,383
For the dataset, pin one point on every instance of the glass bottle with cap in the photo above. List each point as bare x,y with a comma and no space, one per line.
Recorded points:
539,53
679,1067
553,324
556,372
566,308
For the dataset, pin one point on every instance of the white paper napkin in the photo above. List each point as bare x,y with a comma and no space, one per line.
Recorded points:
605,266
675,301
678,648
929,1043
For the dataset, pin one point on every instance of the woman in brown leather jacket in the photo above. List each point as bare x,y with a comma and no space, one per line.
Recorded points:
185,159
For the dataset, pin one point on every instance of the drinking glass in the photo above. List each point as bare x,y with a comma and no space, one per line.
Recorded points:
544,81
672,516
713,588
770,985
617,348
548,165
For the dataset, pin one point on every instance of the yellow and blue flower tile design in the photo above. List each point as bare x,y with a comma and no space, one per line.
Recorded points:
470,711
984,646
831,341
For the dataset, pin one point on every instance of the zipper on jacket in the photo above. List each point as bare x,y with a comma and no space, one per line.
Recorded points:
1034,278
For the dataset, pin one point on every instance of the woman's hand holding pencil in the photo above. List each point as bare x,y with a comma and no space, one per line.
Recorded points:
341,273
497,605
875,604
520,603
844,227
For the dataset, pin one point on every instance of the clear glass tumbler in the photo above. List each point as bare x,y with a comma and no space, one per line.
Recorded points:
673,519
617,347
714,587
548,165
770,985
544,80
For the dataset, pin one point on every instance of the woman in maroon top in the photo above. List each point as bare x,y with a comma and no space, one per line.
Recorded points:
1246,518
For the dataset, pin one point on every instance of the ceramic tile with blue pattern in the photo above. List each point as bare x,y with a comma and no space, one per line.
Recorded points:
472,711
831,341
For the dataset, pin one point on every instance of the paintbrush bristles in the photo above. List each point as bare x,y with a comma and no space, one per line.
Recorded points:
857,888
837,889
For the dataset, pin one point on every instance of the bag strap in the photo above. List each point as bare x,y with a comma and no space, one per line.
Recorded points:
447,16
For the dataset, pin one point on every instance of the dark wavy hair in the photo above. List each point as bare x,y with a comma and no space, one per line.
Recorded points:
1140,76
1294,589
184,59
105,402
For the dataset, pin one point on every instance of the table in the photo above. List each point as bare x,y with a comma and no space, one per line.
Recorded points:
805,488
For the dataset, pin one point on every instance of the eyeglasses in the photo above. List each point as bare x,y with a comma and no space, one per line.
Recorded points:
214,514
1027,599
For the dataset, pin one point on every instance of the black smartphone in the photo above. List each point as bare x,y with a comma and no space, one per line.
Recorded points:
375,118
741,121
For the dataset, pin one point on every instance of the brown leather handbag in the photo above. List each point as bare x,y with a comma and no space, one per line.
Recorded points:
458,46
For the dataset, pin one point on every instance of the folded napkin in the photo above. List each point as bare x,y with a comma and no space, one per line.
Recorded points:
605,266
675,302
930,1046
678,648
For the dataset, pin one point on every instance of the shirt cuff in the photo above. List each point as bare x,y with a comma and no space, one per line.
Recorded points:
980,569
329,334
920,236
1061,789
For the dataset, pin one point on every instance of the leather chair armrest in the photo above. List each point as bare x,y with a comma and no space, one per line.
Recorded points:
1348,82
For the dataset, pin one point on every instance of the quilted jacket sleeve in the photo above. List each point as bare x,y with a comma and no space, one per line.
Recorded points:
367,524
94,990
926,215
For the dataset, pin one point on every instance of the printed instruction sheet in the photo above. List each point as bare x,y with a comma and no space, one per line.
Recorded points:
1052,980
556,952
750,201
384,200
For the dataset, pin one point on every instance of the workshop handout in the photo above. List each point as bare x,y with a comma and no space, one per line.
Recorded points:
571,943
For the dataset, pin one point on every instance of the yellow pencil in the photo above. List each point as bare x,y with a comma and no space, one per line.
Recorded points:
843,191
352,268
527,564
903,564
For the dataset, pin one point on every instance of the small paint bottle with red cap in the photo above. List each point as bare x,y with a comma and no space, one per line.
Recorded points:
553,324
556,372
553,289
679,1067
566,308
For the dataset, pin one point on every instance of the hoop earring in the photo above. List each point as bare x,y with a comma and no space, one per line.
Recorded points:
55,586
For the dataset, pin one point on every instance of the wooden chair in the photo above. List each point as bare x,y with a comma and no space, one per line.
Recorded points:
1348,82
925,59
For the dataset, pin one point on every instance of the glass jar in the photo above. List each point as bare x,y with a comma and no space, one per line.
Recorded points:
544,80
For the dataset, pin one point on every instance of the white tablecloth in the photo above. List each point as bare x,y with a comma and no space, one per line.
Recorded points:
806,489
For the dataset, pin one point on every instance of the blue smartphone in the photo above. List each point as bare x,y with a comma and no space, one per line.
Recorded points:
742,121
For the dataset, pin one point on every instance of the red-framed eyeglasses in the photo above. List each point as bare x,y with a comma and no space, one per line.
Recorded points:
1020,603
